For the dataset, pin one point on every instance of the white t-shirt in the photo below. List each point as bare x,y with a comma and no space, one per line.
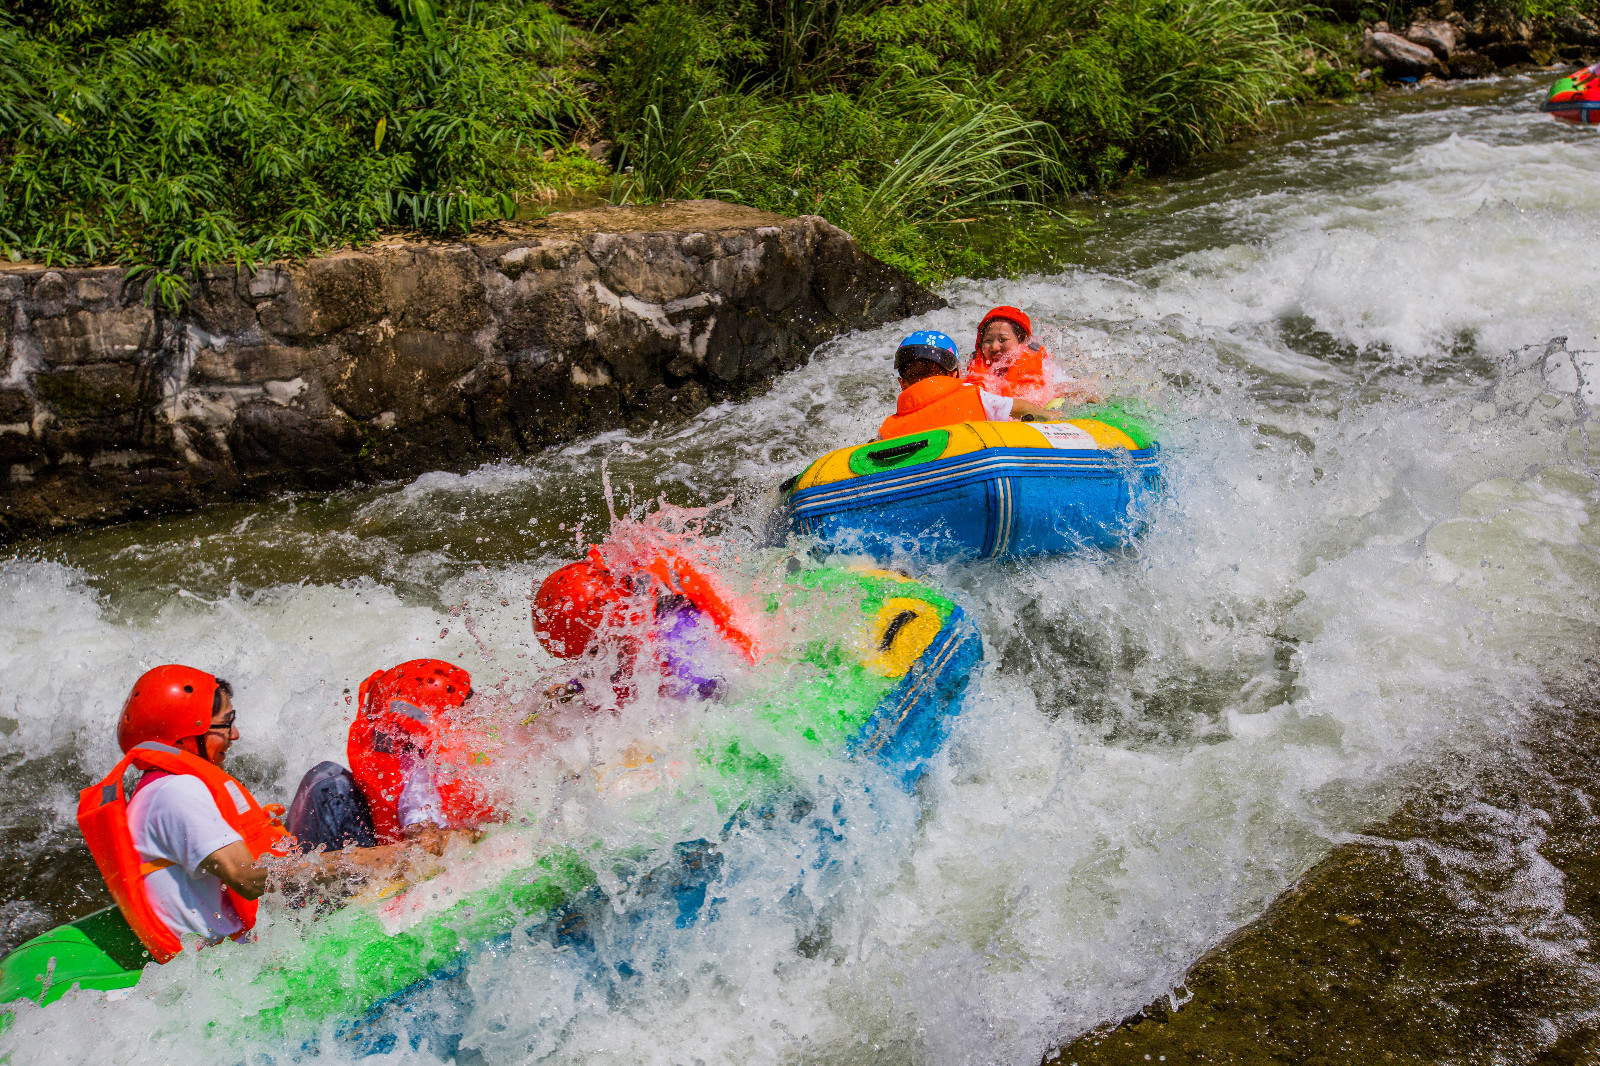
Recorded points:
174,818
419,800
996,408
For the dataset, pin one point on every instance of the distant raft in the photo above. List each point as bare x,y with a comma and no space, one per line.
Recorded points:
985,489
1576,97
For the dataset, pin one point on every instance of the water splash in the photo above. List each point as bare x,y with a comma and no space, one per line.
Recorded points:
1377,550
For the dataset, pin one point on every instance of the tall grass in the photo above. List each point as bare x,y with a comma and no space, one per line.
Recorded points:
168,133
895,117
205,132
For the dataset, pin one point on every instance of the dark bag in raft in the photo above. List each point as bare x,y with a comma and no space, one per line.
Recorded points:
329,811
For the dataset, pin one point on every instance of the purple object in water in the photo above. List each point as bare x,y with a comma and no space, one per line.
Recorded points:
688,641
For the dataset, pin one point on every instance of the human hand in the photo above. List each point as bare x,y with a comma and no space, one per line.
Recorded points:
1077,390
433,840
564,692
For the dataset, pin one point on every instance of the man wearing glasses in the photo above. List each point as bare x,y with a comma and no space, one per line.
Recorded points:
186,854
174,820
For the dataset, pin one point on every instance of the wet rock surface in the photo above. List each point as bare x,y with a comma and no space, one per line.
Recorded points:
1446,44
1464,929
1397,56
405,357
1436,35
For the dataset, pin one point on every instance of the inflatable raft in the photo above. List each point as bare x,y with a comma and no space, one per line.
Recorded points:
863,667
1576,97
984,489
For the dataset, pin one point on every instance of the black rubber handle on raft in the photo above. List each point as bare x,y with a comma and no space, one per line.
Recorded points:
899,451
892,630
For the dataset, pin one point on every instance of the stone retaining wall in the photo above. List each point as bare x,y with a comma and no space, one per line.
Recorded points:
404,356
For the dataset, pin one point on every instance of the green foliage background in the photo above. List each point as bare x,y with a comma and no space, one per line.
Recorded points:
168,133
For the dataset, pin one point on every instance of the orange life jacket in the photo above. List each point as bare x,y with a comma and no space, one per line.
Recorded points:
1022,378
931,403
385,743
103,817
706,593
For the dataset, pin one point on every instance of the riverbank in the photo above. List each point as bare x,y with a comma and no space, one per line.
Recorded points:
408,356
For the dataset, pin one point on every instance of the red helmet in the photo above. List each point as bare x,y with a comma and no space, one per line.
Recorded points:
1013,315
424,688
167,704
573,602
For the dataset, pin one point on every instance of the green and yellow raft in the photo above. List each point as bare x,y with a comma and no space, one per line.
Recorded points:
862,664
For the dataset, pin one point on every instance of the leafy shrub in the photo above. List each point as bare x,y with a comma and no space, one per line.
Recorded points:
242,130
165,133
898,118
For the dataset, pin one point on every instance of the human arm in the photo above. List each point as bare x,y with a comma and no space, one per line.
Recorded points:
999,408
234,866
1079,390
1023,411
383,860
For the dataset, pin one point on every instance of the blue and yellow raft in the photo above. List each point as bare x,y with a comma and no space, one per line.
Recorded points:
984,489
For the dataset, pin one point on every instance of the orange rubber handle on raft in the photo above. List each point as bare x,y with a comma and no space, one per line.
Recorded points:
676,572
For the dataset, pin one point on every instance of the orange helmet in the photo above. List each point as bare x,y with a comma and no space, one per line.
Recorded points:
1006,313
404,713
573,602
431,686
167,704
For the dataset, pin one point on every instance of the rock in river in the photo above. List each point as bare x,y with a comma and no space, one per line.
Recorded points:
1436,35
1398,57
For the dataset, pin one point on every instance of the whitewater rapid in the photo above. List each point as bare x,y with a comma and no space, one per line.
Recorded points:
1376,337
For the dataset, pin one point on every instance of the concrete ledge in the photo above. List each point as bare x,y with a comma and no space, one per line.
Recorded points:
407,356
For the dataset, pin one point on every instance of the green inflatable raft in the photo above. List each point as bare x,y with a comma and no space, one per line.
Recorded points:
861,667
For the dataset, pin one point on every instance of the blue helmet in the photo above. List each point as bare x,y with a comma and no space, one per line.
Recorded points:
931,345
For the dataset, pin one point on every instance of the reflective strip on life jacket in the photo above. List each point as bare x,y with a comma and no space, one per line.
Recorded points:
103,818
931,403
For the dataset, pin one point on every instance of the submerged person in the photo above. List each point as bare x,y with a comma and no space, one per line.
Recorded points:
932,393
1008,361
668,612
182,855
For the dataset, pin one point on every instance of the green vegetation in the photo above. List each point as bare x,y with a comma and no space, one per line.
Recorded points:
167,133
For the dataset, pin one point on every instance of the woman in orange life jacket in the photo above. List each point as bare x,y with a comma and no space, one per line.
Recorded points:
669,609
932,393
181,856
1008,361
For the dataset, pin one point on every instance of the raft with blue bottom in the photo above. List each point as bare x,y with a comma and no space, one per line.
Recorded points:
875,673
987,490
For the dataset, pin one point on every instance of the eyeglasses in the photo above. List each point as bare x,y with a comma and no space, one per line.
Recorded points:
224,726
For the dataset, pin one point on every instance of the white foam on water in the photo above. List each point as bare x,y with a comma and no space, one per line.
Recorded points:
1377,546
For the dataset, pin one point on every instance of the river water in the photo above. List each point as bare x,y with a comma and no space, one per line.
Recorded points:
1371,334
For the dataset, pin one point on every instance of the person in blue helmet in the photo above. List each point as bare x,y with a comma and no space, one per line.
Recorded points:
932,393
